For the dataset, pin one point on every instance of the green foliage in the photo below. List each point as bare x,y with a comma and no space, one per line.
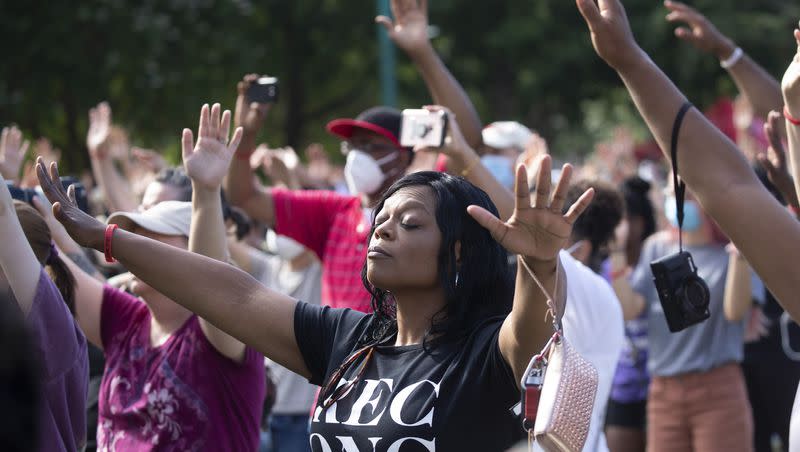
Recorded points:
157,61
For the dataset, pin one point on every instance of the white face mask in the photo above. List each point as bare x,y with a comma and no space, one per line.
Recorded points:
283,246
363,173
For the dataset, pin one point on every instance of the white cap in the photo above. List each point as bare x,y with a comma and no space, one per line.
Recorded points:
506,134
166,218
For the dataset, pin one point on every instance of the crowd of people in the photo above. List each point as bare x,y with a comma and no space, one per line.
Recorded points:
394,303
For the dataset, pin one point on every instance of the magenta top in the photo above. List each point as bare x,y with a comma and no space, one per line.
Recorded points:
182,395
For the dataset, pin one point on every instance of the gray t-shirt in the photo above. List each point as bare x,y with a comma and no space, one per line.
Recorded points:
700,347
295,395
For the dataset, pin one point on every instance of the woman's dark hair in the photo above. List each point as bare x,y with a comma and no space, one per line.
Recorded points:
762,175
480,285
636,191
237,215
177,178
38,235
599,220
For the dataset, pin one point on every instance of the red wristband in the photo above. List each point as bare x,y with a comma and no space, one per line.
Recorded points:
241,156
789,117
107,242
795,211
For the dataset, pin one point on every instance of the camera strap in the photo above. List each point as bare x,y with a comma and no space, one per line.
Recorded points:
679,185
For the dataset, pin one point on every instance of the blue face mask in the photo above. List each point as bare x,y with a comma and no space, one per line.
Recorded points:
692,219
501,167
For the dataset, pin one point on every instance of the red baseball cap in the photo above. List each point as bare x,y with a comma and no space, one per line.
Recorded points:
384,121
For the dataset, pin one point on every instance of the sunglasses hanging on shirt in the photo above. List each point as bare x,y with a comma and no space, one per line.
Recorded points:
683,294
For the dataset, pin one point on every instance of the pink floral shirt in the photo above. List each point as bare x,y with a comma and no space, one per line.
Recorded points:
180,396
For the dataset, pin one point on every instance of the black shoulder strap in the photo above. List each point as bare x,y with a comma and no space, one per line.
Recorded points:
680,187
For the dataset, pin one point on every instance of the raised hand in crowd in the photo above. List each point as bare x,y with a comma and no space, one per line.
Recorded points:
536,147
207,161
42,147
99,131
281,165
63,241
755,83
12,153
699,31
536,232
248,115
214,285
105,145
409,31
710,164
774,161
150,159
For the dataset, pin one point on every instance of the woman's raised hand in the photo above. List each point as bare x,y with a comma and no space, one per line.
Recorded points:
12,152
207,161
409,30
538,229
83,228
611,34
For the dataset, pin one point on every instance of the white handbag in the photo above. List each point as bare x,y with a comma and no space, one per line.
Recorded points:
562,385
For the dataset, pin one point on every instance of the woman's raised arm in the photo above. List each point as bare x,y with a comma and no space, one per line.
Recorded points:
710,164
227,297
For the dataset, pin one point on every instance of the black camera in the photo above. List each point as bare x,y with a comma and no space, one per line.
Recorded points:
263,91
683,294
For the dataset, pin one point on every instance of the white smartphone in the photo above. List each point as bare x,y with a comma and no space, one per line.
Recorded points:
423,127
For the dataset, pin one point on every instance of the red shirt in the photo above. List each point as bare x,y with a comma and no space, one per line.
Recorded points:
335,227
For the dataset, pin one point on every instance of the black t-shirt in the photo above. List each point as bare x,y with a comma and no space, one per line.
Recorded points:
455,395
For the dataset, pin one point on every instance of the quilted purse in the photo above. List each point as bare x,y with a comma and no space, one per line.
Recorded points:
558,391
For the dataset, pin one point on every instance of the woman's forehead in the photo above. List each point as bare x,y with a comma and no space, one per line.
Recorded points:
417,196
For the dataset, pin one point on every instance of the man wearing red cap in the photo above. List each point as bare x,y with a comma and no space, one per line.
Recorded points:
337,227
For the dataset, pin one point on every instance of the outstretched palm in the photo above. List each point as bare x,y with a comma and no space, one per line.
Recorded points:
99,130
409,31
537,230
207,162
12,152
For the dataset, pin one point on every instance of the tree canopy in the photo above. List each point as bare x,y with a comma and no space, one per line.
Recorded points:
156,61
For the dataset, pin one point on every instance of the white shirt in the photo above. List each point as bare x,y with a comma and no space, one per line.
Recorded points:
593,325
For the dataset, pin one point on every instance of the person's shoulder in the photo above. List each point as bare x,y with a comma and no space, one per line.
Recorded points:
485,330
658,241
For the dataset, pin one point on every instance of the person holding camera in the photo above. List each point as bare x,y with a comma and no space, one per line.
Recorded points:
336,227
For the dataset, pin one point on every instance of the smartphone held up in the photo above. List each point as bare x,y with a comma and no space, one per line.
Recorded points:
263,91
422,127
